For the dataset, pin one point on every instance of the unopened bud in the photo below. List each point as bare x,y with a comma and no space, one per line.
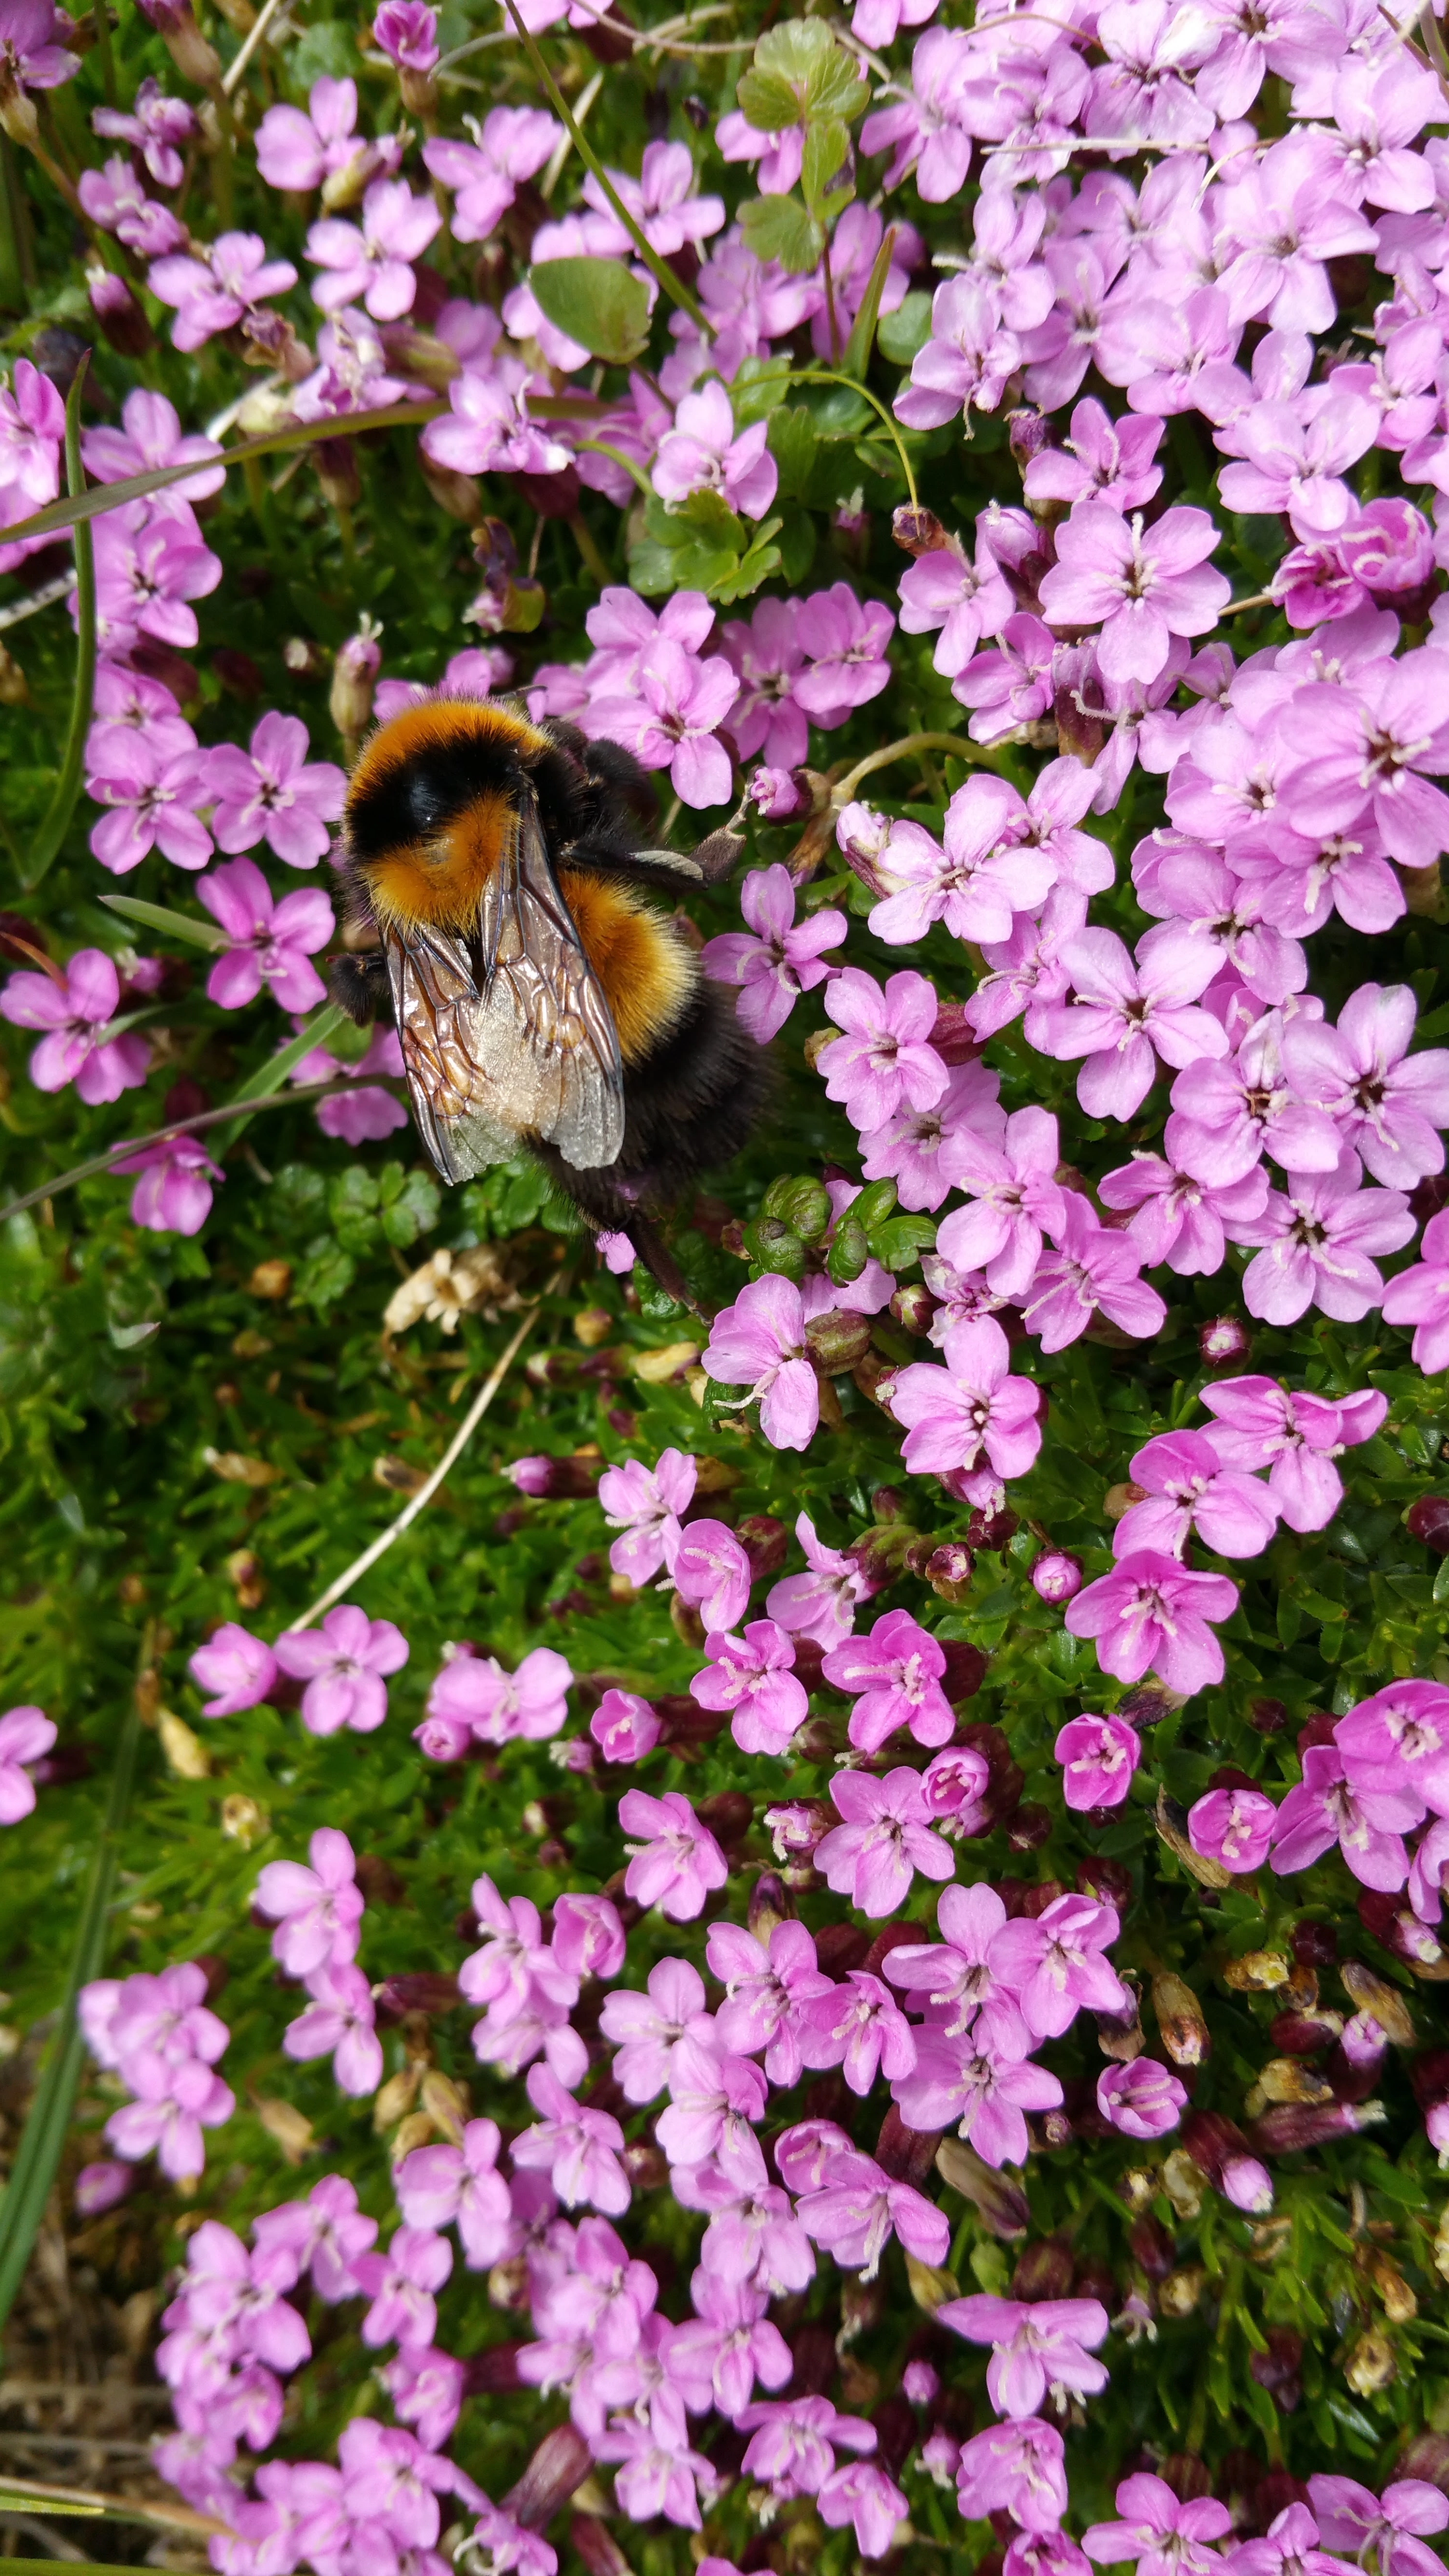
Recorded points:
556,2471
1185,2034
1428,1519
1119,1499
175,23
1293,2125
1267,1716
14,686
1374,1995
1044,2271
778,794
1027,432
913,1308
769,1904
118,313
766,1543
775,1247
424,1992
917,531
646,2165
1370,2365
906,2154
1056,1577
1151,2246
953,1036
17,112
1225,1342
354,680
948,1569
1000,2204
556,1479
457,495
836,1340
335,462
860,836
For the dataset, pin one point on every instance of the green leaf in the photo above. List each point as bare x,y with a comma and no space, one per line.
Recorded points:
779,228
326,1274
800,74
43,849
411,1205
903,333
759,388
173,925
352,1206
600,303
762,559
856,360
901,1240
826,146
792,443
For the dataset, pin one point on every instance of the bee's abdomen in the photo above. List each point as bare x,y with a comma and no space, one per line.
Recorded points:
647,970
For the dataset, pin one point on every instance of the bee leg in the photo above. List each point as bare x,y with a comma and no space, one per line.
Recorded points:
359,985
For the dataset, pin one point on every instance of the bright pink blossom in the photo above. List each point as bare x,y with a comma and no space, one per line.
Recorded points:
1150,1614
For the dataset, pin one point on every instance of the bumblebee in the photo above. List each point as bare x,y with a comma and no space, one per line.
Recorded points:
543,999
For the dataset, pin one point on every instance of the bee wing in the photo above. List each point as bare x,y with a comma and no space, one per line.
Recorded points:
508,1037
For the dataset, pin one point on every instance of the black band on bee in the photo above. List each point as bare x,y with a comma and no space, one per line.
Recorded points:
360,987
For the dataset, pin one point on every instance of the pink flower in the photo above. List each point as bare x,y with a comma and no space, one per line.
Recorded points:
945,595
862,2495
25,1734
1125,1011
513,145
407,32
272,942
1296,1436
1233,1826
1043,2345
753,1675
975,884
1015,1200
75,1009
1016,2468
717,2355
1349,2518
1094,1268
1190,1488
372,264
155,792
795,2440
819,1604
765,1991
895,1676
500,1707
678,1861
701,453
957,2083
1288,2548
1391,1106
1317,1237
883,1840
1373,737
760,1341
856,2209
273,794
401,2284
150,435
624,1727
845,641
308,149
317,1910
1143,2100
236,1666
858,2027
1151,1614
1165,2536
488,430
647,2027
588,1937
1054,1963
969,355
1420,1296
884,1058
645,1504
782,960
212,291
672,720
148,569
445,2186
1178,1219
1368,1824
1098,1756
343,1665
1145,584
578,2149
28,58
972,1415
174,1193
712,1573
339,2023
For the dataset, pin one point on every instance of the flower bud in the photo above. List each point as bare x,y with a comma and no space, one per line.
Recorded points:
1428,1519
953,1036
1151,2246
646,2165
797,1827
118,313
861,834
775,1247
1185,2034
354,680
836,1341
1373,1995
1118,1500
1304,2034
1028,431
556,2471
1000,2204
906,2154
1267,1716
425,1992
593,2540
1044,2271
913,1308
769,1904
556,1479
778,795
458,496
1225,1342
1223,2154
917,531
1056,1577
1289,2126
624,1727
1370,2365
175,23
766,1543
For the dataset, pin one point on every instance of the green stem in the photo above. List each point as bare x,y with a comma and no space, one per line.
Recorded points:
159,478
659,269
67,787
827,376
235,1113
959,746
102,26
38,2156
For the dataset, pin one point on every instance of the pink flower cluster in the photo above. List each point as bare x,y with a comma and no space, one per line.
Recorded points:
163,2041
